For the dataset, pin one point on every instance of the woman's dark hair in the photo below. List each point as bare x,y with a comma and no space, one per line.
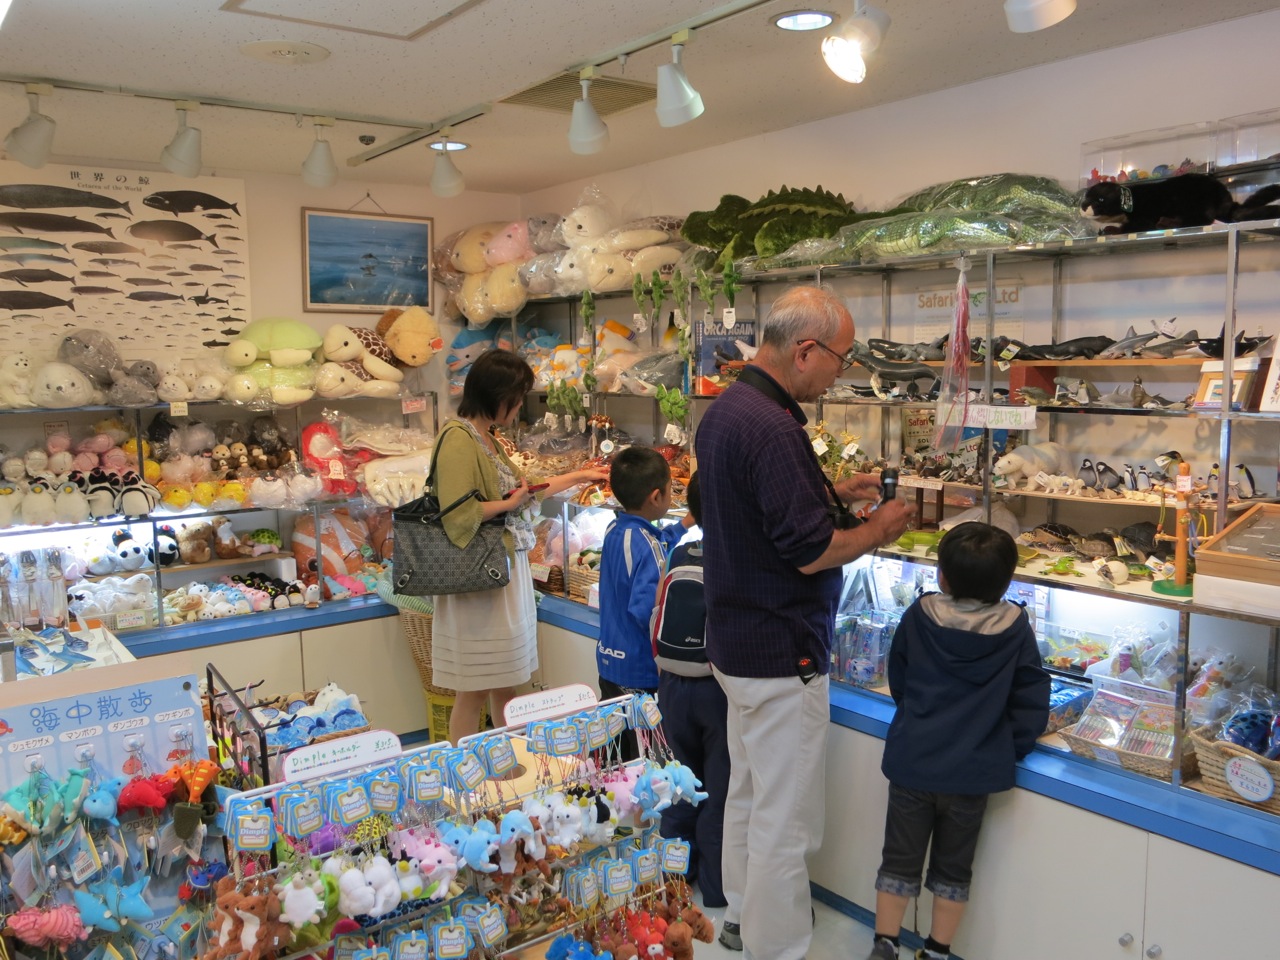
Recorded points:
497,379
693,497
977,560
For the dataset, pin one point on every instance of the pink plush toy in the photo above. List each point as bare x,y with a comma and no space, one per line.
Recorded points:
58,926
509,245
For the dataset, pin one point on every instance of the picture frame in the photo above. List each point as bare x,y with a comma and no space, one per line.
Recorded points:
365,262
1209,392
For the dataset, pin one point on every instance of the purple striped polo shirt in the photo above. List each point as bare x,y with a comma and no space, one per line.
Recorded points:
765,513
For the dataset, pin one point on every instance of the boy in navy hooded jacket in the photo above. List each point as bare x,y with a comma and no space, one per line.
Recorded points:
972,697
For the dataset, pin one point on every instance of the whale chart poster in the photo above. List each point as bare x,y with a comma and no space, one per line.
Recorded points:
156,261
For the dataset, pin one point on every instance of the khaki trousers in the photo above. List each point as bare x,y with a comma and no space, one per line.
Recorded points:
773,817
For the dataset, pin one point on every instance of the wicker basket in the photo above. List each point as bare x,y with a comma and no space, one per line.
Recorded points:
581,579
281,703
1213,756
1158,767
417,630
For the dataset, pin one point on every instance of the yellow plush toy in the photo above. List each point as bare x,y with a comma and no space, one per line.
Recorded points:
469,250
413,335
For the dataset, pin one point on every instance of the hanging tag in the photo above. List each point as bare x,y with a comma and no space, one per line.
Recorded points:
850,450
410,945
615,722
371,953
616,878
650,717
1169,328
819,446
336,472
675,856
428,784
644,866
254,831
673,434
450,941
549,420
538,737
307,817
597,733
499,755
384,794
677,317
413,405
466,769
563,739
491,927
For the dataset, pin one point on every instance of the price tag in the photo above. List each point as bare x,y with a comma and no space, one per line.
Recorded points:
673,434
336,471
850,450
1249,778
549,420
541,572
54,427
131,619
819,446
638,320
1169,328
178,408
1182,484
413,405
920,483
1042,479
677,316
729,317
568,422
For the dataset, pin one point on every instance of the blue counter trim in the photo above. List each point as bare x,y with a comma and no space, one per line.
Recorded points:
209,633
570,615
1216,826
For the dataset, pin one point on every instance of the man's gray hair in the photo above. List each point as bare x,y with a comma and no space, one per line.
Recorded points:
803,313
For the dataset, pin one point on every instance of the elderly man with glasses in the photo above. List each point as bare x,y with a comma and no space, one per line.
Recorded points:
774,549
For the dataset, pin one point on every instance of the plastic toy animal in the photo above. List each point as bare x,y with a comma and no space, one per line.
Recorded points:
1063,566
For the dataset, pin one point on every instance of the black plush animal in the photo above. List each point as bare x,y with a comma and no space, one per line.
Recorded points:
1189,200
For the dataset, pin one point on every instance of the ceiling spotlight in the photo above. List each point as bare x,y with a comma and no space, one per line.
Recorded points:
319,169
182,155
587,132
448,146
30,142
446,179
845,49
800,20
1027,16
678,102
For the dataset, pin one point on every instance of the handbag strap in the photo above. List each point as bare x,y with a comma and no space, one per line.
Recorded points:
431,473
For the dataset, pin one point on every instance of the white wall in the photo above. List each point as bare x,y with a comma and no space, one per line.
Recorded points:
275,240
1031,121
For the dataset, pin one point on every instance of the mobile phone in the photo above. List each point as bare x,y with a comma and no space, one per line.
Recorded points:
888,483
534,489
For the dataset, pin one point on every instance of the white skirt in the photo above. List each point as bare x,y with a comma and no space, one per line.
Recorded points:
488,639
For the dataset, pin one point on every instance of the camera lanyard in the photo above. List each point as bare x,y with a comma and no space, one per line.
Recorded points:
762,382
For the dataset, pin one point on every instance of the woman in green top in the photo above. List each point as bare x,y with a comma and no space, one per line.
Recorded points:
484,645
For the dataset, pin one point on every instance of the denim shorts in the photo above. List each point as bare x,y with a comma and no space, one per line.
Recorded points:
952,820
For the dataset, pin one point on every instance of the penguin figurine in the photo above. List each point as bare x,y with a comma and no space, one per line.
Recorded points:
1213,475
1144,478
101,494
72,505
10,503
1130,478
1108,479
136,498
1168,463
39,509
1244,478
1087,473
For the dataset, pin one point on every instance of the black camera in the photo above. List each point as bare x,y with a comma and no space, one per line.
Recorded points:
842,519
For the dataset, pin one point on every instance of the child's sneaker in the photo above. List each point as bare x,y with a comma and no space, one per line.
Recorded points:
923,954
731,936
883,950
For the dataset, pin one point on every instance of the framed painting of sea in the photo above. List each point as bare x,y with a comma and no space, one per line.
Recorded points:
365,262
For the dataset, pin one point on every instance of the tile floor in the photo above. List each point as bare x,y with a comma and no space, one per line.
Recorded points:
835,937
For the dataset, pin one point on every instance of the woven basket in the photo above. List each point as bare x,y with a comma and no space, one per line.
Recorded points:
1158,767
417,630
580,581
1213,756
281,703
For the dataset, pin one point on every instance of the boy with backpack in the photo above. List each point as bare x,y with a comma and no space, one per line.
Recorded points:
694,708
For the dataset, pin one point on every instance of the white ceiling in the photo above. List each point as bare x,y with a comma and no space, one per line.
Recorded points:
416,62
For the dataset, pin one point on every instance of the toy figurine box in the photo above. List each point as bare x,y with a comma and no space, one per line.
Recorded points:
1240,567
1165,152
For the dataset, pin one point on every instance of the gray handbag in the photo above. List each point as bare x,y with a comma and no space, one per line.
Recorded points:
427,563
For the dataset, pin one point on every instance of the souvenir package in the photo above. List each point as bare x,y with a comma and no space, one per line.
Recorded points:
860,649
1067,700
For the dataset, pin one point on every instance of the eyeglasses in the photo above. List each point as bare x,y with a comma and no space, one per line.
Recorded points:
845,362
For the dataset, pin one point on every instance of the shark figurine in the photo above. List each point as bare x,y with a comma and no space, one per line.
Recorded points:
1128,345
1171,348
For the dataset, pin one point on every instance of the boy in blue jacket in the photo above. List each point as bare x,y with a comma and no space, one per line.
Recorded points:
630,564
972,697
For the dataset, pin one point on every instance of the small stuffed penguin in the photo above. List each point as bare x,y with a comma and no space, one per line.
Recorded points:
39,508
129,553
72,505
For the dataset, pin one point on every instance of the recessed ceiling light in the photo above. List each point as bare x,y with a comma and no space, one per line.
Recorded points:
802,20
288,52
450,145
